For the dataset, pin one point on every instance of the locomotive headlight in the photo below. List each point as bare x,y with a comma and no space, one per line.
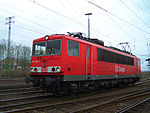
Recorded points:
35,69
46,37
31,69
55,69
58,69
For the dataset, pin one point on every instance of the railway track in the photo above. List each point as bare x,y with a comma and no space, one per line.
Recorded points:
133,106
25,93
68,104
15,90
12,79
50,103
14,85
20,95
114,104
9,94
17,102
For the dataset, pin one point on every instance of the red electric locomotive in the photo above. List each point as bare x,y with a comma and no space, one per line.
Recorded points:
73,63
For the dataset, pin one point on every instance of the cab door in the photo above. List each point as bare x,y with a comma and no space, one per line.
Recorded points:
88,62
136,61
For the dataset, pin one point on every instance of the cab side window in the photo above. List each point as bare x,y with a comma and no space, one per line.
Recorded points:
88,52
73,48
139,63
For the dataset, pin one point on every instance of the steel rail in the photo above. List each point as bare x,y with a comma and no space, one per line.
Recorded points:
18,89
13,86
9,107
60,104
23,98
142,82
43,106
110,102
21,79
20,93
132,106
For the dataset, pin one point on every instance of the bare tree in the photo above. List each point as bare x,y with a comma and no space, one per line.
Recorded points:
3,49
20,59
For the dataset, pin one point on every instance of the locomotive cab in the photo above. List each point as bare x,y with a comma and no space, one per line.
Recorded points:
42,52
46,61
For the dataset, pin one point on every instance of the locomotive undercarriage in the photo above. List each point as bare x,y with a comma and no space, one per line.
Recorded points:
56,85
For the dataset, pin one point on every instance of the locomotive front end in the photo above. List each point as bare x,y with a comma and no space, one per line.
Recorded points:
46,67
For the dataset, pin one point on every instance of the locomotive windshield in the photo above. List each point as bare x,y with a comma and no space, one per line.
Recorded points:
47,48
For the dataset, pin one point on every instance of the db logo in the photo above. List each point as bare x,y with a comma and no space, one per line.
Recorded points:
119,69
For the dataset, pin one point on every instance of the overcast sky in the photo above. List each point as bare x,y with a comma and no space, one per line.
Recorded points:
119,21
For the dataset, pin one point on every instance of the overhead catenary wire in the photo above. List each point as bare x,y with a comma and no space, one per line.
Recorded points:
121,28
139,28
49,28
135,14
68,10
109,16
107,35
33,1
31,30
146,4
25,28
118,17
40,5
140,8
37,17
71,19
31,21
74,9
118,26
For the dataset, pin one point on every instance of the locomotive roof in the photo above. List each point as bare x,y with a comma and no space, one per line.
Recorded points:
58,36
113,49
